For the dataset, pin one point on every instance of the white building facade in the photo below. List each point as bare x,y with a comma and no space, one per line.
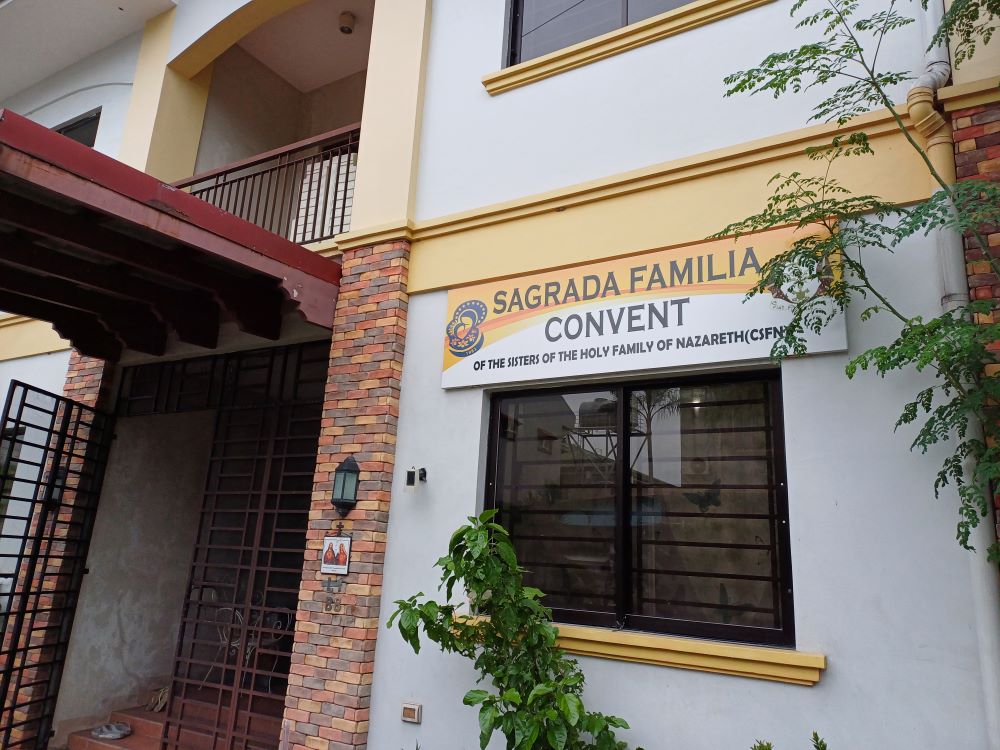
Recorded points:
734,549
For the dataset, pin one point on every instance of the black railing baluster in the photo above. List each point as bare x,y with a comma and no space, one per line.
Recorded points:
303,191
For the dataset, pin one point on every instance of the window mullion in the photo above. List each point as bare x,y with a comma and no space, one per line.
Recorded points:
623,556
516,27
624,13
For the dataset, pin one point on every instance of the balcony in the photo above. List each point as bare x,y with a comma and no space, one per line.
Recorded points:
303,192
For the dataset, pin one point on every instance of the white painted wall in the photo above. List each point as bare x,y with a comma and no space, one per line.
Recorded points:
194,17
103,80
45,371
250,110
881,586
334,106
125,633
652,104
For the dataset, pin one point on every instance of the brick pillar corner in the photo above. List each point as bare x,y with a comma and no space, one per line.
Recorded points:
330,680
977,157
89,381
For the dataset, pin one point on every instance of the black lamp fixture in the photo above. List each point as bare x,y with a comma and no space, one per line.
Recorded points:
345,486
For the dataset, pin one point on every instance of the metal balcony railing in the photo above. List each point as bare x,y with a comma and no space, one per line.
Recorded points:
303,191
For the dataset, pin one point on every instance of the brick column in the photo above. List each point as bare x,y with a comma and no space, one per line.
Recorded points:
977,157
89,381
330,681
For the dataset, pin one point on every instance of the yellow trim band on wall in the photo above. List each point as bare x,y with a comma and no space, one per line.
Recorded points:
677,21
972,94
673,203
26,337
757,662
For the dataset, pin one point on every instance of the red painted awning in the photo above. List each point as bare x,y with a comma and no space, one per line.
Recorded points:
116,259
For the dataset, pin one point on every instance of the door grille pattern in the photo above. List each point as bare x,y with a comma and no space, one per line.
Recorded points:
238,621
52,457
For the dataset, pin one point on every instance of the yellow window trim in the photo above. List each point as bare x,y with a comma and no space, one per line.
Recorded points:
679,20
757,662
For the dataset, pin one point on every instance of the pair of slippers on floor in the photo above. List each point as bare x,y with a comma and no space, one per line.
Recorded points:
114,730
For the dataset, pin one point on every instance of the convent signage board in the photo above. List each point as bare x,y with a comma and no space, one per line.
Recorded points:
675,307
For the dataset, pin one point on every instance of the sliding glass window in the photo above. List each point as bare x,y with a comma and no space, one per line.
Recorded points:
659,507
542,26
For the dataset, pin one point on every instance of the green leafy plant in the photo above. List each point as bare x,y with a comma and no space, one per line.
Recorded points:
817,744
967,24
826,269
534,691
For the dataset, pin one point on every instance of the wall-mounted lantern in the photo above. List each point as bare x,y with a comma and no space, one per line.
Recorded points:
345,486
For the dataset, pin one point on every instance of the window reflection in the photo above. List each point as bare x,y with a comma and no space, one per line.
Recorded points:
556,485
656,507
543,26
703,505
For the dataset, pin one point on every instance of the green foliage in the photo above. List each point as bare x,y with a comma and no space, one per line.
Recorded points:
817,744
838,57
967,24
534,690
826,269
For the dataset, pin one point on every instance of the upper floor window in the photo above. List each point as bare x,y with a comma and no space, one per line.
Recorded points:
542,26
657,507
82,129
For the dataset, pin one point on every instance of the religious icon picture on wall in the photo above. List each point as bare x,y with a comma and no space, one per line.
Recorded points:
336,559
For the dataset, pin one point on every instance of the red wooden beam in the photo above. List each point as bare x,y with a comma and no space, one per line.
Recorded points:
132,322
193,315
253,301
84,330
108,174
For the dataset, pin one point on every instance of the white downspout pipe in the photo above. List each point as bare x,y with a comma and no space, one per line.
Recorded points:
984,577
940,148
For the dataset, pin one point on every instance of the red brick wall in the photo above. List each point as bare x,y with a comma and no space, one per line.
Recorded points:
89,381
977,157
329,691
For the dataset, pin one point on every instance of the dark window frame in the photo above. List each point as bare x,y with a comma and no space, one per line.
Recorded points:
86,118
514,16
622,618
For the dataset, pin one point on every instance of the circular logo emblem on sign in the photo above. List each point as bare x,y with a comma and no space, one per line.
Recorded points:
464,336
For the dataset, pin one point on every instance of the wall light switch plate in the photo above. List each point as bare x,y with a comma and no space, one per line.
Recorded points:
412,713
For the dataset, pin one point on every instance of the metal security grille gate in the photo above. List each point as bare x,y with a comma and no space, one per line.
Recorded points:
237,627
52,457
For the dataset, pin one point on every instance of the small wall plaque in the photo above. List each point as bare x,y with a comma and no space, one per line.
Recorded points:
412,713
336,558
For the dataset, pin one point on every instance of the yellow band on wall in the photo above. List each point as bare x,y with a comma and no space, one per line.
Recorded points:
25,337
757,662
971,94
673,203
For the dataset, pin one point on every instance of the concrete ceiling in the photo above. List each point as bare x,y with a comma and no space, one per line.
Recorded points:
41,37
305,47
